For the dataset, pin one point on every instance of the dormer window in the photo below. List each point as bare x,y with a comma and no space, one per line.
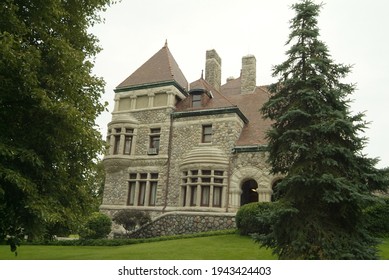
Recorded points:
196,100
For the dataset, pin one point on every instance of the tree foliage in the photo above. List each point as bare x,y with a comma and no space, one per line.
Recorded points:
315,144
49,101
97,226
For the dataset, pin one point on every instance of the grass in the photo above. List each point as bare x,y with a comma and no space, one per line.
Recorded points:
227,247
222,247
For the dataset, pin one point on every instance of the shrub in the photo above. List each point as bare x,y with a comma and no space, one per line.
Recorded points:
97,226
131,219
378,217
255,218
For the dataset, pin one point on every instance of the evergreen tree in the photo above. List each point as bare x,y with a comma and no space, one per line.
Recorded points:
49,100
315,144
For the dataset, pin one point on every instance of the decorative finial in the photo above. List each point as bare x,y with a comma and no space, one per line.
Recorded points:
166,43
202,72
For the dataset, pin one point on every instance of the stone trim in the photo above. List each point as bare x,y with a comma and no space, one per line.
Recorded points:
152,85
207,112
175,223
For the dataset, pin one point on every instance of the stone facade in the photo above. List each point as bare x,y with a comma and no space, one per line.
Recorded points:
173,149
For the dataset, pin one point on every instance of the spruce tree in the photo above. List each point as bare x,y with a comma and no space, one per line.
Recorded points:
315,142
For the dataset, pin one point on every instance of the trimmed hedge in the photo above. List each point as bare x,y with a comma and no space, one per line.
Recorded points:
254,218
129,241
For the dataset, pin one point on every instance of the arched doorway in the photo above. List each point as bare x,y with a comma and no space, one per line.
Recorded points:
249,192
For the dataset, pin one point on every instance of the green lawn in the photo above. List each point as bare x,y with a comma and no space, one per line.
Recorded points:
222,247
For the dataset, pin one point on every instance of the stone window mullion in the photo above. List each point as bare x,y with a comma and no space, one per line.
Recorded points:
136,192
188,194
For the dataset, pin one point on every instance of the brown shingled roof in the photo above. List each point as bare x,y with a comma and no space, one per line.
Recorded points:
161,67
213,100
254,132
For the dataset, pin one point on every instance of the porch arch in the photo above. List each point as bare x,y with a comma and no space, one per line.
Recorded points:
261,177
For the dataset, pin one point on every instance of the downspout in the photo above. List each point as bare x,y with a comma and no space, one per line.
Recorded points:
229,178
169,152
228,183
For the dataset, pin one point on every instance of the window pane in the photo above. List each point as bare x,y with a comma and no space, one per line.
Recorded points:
218,180
133,176
183,196
131,193
196,100
127,145
206,180
129,130
154,142
116,144
143,176
153,193
207,134
154,176
217,196
193,195
205,191
142,193
206,172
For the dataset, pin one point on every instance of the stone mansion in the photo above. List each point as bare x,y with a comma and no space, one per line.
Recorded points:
182,147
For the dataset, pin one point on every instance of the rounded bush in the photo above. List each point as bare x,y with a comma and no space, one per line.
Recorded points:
254,218
97,226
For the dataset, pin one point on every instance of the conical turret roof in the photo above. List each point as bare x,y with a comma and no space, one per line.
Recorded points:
161,67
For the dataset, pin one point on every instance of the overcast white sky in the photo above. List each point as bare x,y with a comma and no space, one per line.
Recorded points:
355,31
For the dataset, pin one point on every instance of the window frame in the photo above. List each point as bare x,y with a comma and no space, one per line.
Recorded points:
196,100
205,134
154,137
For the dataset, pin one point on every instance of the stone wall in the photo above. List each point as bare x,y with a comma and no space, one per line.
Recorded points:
175,223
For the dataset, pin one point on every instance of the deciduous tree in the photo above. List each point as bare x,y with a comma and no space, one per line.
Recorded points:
49,101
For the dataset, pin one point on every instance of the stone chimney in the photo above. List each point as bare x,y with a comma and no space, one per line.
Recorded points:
249,74
213,70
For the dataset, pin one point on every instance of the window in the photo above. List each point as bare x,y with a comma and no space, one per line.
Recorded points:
207,184
205,193
207,134
116,136
116,143
153,189
196,100
142,189
142,193
131,193
154,141
217,196
128,141
193,195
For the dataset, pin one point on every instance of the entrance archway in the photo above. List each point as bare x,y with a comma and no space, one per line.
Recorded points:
249,192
